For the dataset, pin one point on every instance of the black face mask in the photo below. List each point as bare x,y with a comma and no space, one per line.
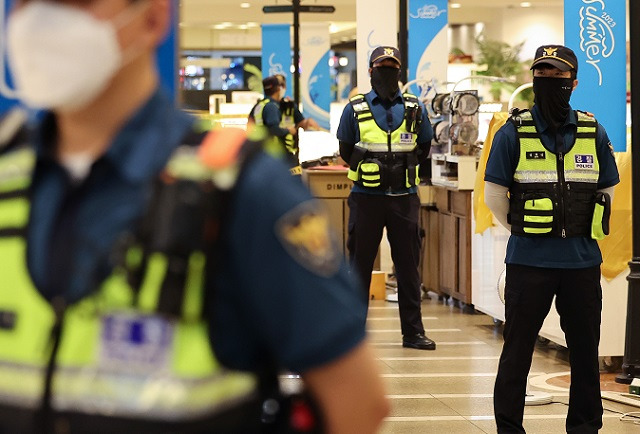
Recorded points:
552,97
384,80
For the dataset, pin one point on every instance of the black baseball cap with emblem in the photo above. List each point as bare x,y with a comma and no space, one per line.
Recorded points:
270,83
559,56
385,52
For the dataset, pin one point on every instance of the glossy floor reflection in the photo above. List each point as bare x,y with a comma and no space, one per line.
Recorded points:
449,390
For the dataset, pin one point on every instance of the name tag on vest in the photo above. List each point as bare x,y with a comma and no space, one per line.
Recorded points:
139,342
536,155
406,137
584,161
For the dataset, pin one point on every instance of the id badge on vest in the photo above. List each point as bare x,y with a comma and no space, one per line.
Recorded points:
406,138
135,342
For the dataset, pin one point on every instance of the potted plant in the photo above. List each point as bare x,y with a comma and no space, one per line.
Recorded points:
500,59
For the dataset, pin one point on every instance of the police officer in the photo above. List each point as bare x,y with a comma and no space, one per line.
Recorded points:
384,136
268,113
290,113
129,250
558,167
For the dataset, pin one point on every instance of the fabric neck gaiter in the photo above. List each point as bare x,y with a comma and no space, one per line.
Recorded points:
552,97
384,80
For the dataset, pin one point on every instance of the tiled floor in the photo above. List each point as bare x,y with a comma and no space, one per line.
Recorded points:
449,390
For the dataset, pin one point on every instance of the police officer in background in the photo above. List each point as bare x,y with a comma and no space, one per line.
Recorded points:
558,168
384,136
132,245
289,109
269,113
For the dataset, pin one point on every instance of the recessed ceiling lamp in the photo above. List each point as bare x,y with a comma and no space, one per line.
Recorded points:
456,5
525,4
245,5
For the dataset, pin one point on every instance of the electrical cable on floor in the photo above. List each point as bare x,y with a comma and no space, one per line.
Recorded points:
631,416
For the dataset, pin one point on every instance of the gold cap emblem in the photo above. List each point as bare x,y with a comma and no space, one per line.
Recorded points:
388,51
550,51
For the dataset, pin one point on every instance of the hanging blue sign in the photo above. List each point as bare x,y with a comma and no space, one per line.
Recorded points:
595,31
276,52
428,46
167,56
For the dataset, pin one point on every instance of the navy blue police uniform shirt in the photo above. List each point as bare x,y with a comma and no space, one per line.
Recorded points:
271,117
573,252
278,295
389,117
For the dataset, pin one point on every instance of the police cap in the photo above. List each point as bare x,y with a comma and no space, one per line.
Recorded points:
385,52
559,56
270,84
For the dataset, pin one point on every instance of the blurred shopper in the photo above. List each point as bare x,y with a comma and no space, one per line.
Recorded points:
558,168
132,246
384,137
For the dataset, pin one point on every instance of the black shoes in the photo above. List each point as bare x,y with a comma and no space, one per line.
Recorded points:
419,342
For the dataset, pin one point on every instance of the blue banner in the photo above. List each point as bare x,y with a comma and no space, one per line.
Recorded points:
167,56
276,52
428,46
315,80
595,31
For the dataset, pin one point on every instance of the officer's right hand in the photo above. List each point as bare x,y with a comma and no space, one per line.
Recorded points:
293,130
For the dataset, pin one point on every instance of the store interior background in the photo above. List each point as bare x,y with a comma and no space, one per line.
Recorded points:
229,32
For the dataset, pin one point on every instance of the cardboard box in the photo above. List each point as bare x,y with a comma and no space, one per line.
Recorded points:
378,287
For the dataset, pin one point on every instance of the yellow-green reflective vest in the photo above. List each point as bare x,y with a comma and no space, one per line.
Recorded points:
286,121
553,194
116,356
384,159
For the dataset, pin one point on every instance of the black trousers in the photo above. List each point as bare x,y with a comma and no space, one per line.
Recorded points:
368,215
529,293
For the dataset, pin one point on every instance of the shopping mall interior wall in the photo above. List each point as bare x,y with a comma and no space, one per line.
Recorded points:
535,27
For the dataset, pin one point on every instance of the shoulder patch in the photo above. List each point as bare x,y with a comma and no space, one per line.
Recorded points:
613,152
306,236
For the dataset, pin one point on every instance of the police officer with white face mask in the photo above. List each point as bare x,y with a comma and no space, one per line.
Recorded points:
133,245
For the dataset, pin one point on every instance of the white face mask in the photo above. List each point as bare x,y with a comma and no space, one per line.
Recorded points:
62,57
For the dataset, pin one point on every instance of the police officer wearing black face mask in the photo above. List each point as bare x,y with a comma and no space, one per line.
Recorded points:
385,136
557,165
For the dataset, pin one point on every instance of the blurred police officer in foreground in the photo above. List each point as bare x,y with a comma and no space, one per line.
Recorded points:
131,245
384,136
557,166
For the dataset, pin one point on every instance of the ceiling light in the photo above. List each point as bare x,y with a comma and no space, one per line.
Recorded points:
455,5
242,27
525,4
245,5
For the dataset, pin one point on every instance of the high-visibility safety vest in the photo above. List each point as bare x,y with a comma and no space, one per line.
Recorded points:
116,355
286,121
385,159
553,194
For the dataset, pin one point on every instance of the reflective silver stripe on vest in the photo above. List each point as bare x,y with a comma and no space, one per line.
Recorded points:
383,147
536,176
153,395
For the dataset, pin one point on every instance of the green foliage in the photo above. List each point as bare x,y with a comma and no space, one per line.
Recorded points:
254,81
502,60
